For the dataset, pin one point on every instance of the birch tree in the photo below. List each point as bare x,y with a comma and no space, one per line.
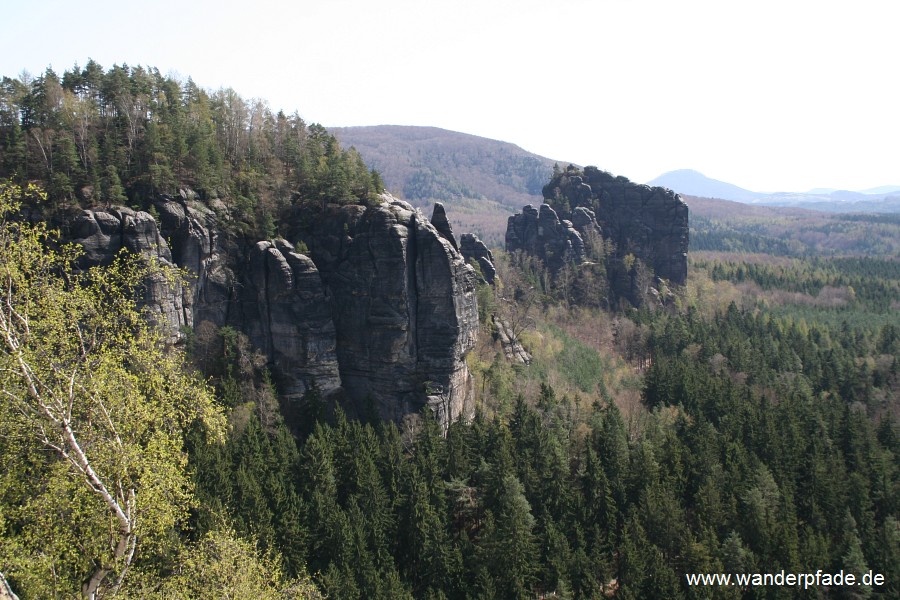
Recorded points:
93,410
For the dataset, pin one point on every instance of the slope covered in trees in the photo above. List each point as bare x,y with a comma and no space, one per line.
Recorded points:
97,491
744,424
762,440
720,225
126,134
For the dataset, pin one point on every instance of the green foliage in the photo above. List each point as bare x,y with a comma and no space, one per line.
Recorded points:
131,133
97,410
783,232
764,436
485,296
222,565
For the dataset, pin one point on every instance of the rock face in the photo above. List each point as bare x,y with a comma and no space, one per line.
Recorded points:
512,347
290,319
404,309
648,223
104,234
541,233
473,249
381,313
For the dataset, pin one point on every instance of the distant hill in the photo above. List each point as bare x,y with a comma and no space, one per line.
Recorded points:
430,163
724,225
884,189
884,199
480,181
694,183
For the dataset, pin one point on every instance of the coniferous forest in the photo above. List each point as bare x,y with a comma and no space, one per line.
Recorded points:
746,423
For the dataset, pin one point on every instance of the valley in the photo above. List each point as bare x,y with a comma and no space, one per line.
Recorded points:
237,361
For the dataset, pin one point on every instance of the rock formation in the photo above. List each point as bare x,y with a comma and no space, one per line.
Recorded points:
474,250
509,342
104,234
542,234
291,323
381,313
404,308
648,223
442,224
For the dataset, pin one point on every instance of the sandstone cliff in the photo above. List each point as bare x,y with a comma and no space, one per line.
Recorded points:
104,234
474,250
649,224
404,308
381,313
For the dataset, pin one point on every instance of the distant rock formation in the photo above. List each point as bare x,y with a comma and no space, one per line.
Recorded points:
381,313
649,224
542,234
474,250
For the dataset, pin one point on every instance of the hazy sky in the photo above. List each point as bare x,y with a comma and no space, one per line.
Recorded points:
769,95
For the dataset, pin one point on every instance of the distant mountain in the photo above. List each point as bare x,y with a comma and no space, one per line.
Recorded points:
694,183
884,199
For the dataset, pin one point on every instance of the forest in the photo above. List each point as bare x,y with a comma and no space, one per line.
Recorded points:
746,423
124,135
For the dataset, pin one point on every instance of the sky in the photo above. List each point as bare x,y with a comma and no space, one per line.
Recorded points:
783,95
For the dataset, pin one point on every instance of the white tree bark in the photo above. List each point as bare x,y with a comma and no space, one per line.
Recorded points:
50,411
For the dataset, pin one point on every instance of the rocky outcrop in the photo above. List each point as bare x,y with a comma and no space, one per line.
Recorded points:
103,234
380,314
650,223
509,342
543,234
403,308
442,224
287,315
647,228
473,250
209,257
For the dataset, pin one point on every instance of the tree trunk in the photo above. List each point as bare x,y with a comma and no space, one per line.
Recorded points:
6,592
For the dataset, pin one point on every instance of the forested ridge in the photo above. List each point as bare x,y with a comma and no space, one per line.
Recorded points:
127,134
720,225
745,423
